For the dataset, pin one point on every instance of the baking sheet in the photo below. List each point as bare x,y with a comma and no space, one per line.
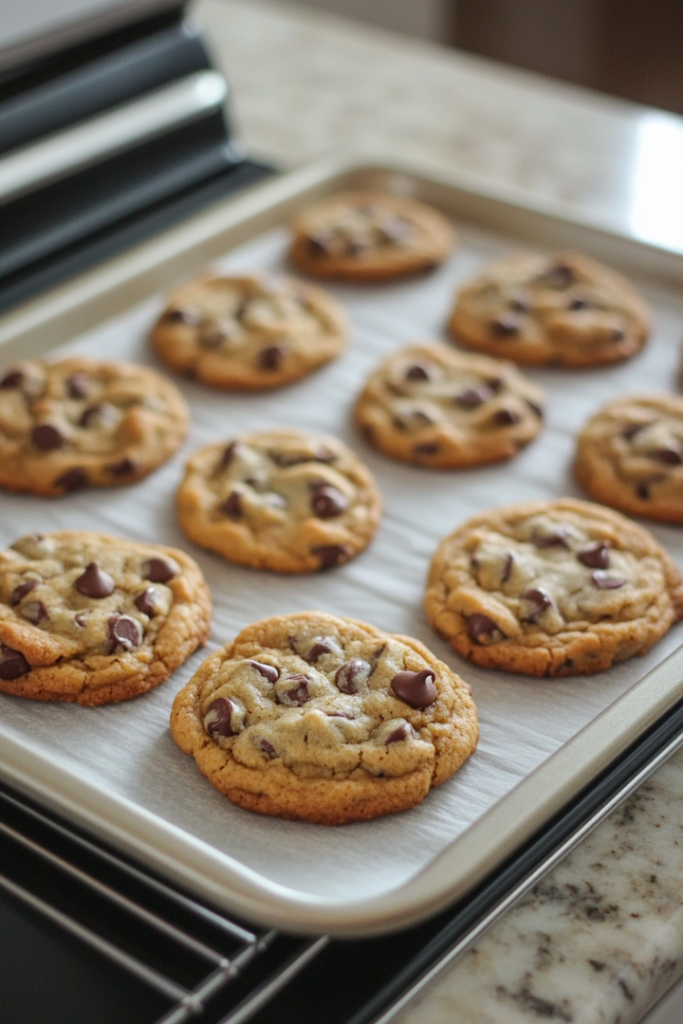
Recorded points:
126,750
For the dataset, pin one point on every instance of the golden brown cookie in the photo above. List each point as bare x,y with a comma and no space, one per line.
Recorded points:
324,719
552,588
561,310
249,331
432,406
370,236
93,619
630,455
284,500
79,423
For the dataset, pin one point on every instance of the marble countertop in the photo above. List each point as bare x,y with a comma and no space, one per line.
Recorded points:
601,937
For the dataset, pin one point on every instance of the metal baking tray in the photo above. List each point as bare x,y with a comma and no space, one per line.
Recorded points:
115,769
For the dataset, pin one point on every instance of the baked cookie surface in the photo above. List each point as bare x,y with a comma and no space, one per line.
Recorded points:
370,236
323,719
630,455
284,500
560,310
249,331
94,619
552,588
430,405
79,422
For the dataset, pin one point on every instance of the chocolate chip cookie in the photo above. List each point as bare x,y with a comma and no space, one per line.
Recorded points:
326,720
630,456
433,406
561,310
283,500
370,236
552,588
93,619
250,331
79,423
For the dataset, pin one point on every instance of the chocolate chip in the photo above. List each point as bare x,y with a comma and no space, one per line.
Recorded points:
328,503
403,732
285,459
355,246
520,304
495,384
102,414
669,456
578,303
507,567
123,467
595,555
46,437
36,612
324,645
505,326
95,582
12,663
267,748
605,582
540,599
182,316
318,244
427,448
505,417
298,695
160,570
556,539
80,619
483,630
631,429
228,455
271,358
269,672
559,275
416,689
73,480
232,506
145,601
415,419
617,334
22,589
78,385
472,398
535,408
416,372
347,675
124,633
643,490
12,379
218,717
331,555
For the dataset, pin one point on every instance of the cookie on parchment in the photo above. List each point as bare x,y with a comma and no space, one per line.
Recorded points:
93,619
630,455
80,422
561,310
284,500
323,719
249,331
432,406
370,236
552,588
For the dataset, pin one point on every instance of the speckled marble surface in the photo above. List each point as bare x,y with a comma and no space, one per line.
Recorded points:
601,938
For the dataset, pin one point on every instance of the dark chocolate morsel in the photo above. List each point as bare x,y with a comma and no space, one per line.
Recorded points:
415,419
160,570
78,385
507,567
12,663
46,437
13,379
218,716
269,672
267,748
578,303
271,358
505,417
617,334
124,633
322,646
495,384
101,414
80,619
298,694
605,582
95,582
535,408
227,455
416,689
557,539
35,611
595,555
22,589
232,506
472,398
643,490
403,732
631,429
145,601
328,503
426,448
182,316
669,456
73,480
346,675
483,630
559,275
318,244
540,599
416,372
331,555
520,304
123,467
505,326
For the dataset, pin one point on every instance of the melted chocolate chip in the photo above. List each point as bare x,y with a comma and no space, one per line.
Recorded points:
269,672
299,694
232,506
617,334
427,448
271,358
327,502
35,611
507,567
556,539
348,674
505,326
78,385
12,663
294,458
631,429
46,437
12,379
483,630
416,372
146,601
416,689
559,275
322,646
519,304
540,599
331,555
123,467
125,633
403,732
472,398
80,619
182,316
101,414
495,384
267,748
318,244
22,589
218,717
669,456
505,417
416,419
605,582
160,570
578,303
95,582
535,408
73,480
595,555
227,455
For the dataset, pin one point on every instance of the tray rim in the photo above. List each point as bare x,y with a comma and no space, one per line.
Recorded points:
221,879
